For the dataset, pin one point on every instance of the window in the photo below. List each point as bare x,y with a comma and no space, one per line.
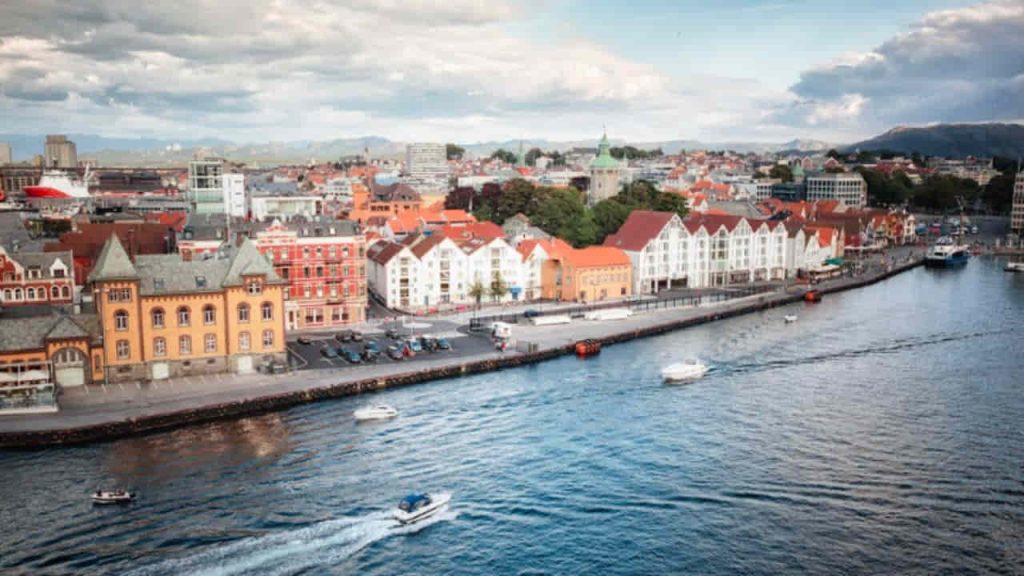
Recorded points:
183,316
244,342
333,251
17,293
119,295
120,320
267,311
305,272
55,292
319,252
243,313
122,350
30,294
344,252
159,347
319,271
209,315
185,345
254,287
158,317
334,270
268,338
65,292
210,343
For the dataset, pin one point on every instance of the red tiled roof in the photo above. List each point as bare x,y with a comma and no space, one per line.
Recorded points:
596,256
639,228
486,230
383,251
552,246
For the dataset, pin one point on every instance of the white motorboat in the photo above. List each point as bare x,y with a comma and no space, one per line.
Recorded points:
684,371
378,412
416,507
1014,267
112,497
789,318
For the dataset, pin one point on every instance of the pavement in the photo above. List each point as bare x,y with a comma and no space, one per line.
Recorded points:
101,404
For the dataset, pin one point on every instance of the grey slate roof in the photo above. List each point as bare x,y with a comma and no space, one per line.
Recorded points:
169,274
44,260
32,333
113,263
248,261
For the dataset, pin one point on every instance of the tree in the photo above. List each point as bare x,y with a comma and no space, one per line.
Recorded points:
517,196
504,155
532,155
498,287
556,208
609,215
832,153
669,202
781,172
476,291
454,152
866,157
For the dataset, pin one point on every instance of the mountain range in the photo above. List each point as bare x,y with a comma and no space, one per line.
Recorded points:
939,140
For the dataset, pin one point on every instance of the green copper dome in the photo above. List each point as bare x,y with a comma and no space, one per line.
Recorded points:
604,158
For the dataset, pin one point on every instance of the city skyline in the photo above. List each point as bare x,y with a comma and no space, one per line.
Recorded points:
472,72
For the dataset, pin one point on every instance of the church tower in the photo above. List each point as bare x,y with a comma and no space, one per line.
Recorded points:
604,174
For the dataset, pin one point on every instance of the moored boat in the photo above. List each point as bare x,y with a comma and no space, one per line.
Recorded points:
416,507
1014,267
378,412
947,253
587,347
812,296
685,371
112,497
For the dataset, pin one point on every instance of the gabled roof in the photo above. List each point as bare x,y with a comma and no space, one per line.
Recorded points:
427,244
552,246
639,229
66,328
383,251
487,230
249,262
113,263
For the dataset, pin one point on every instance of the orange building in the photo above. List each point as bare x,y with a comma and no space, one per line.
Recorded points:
586,275
161,316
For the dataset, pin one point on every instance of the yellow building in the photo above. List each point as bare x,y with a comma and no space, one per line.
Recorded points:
586,275
164,317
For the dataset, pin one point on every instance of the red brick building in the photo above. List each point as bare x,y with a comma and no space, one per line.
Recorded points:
325,266
36,278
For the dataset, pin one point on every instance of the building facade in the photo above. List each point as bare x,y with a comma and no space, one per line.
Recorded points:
604,174
36,278
847,187
1017,211
59,152
206,186
163,317
5,153
324,266
234,194
426,161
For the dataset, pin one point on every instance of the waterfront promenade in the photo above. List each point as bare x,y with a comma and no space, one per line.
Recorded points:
146,407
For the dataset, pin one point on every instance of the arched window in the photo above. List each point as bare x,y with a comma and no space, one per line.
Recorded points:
184,345
120,320
267,311
122,350
17,293
244,341
159,347
8,295
157,316
209,315
65,292
55,292
268,338
184,315
30,294
243,313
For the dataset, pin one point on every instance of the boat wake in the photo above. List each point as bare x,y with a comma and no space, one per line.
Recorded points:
326,543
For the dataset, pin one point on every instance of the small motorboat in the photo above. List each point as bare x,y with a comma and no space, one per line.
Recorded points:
789,318
112,497
684,371
416,507
1014,267
378,412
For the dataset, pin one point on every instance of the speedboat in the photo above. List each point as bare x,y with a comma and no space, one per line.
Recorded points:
683,371
789,318
112,497
378,412
416,507
1014,267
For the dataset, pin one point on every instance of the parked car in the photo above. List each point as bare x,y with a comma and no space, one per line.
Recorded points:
273,367
396,352
443,344
392,333
974,229
372,346
531,313
351,356
429,343
370,355
329,351
414,344
357,336
343,336
305,340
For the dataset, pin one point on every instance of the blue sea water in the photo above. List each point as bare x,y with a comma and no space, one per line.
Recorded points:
882,433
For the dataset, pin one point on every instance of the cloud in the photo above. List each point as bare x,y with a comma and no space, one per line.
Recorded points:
963,65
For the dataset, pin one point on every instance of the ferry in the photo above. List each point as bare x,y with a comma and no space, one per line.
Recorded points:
947,252
60,185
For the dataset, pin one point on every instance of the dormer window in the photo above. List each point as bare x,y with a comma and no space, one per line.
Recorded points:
254,287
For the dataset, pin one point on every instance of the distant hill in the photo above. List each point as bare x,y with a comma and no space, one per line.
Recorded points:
950,140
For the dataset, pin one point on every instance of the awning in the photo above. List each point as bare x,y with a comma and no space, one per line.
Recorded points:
835,261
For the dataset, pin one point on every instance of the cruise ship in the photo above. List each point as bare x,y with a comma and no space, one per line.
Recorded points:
947,252
61,185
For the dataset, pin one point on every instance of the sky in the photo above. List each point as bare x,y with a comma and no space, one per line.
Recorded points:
472,71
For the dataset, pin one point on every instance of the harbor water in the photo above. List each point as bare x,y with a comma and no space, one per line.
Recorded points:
880,433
